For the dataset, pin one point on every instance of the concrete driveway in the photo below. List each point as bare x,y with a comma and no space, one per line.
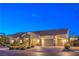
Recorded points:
39,51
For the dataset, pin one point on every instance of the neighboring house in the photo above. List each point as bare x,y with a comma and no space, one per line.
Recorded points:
74,40
19,36
11,39
1,35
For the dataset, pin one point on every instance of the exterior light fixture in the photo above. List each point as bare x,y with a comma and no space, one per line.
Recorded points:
11,41
64,41
38,41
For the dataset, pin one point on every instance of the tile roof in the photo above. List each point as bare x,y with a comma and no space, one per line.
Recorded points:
51,32
20,34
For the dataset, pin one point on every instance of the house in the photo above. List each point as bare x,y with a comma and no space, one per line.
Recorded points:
52,37
44,37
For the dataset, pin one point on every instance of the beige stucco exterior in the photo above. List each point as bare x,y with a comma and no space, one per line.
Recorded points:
47,38
59,40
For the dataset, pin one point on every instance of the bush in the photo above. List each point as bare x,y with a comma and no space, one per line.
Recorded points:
11,48
22,48
28,47
75,44
32,46
8,45
17,48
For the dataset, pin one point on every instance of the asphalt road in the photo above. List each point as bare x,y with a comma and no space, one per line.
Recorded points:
39,51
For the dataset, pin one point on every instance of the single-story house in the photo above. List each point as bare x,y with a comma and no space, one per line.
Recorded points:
46,37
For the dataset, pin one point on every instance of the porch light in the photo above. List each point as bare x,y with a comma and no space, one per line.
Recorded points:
11,41
38,41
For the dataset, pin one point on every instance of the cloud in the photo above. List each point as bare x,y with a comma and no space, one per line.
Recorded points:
35,15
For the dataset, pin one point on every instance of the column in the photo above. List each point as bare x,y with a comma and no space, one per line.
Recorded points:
56,40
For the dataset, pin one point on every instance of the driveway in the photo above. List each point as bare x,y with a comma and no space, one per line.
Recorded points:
39,51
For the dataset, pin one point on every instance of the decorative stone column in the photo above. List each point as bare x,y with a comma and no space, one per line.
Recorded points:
42,42
29,41
55,40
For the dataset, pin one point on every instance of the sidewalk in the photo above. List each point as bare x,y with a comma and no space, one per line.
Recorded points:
75,48
59,47
4,48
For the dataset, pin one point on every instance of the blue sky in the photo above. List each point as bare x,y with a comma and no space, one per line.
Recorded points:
33,17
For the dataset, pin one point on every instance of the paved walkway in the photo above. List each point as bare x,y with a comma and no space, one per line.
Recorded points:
61,47
4,48
75,48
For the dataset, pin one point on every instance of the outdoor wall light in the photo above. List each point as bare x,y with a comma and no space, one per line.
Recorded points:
38,41
64,41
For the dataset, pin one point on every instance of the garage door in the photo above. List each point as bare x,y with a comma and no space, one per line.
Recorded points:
60,43
48,42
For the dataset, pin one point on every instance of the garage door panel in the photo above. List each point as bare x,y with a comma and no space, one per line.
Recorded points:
60,43
48,42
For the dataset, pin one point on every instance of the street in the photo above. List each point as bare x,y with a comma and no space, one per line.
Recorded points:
39,51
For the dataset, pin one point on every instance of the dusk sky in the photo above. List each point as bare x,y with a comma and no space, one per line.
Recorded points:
33,17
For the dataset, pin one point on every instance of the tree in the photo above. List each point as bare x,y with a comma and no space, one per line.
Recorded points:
74,35
74,42
25,41
4,40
